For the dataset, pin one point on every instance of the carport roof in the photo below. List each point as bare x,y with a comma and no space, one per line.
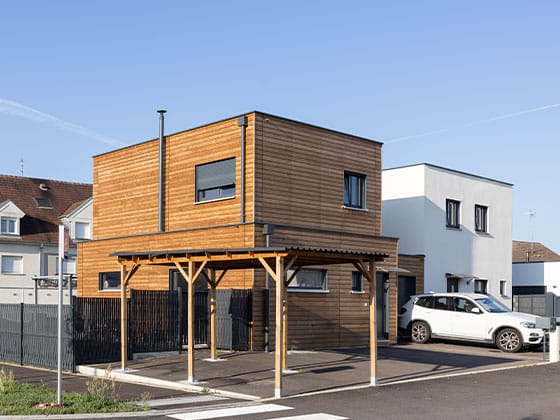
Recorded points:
243,258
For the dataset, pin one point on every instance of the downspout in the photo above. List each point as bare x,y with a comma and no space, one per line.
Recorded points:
161,172
242,122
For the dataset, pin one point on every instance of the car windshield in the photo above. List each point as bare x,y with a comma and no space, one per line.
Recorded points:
491,305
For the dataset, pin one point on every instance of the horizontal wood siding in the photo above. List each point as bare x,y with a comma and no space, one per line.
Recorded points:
300,176
94,257
126,182
414,264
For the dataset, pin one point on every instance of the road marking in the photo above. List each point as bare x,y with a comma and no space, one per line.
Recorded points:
316,416
230,412
183,400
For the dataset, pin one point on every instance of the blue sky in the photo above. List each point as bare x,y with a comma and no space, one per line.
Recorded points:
472,86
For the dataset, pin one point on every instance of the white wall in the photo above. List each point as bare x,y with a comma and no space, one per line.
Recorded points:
448,250
538,274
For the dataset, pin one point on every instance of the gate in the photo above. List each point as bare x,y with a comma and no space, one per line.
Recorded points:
233,319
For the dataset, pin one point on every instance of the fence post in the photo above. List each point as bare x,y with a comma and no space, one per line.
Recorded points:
21,332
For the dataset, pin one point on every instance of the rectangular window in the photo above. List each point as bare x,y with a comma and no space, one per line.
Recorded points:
357,282
308,279
503,290
354,190
12,264
452,284
480,218
442,303
481,286
110,280
452,212
8,225
68,266
215,180
82,230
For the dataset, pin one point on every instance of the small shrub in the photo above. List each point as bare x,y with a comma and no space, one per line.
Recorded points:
6,379
102,388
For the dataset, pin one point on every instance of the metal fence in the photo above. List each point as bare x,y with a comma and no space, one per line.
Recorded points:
547,304
92,330
29,335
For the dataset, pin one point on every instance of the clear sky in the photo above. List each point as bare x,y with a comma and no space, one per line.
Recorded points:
472,86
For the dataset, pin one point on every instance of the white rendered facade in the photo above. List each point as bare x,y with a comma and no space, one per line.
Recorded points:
545,274
432,211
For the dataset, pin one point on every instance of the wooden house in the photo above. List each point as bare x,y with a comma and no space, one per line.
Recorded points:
253,182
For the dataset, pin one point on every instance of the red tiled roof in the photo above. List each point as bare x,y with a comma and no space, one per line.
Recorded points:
532,252
40,224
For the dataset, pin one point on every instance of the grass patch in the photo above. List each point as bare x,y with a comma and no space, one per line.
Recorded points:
22,398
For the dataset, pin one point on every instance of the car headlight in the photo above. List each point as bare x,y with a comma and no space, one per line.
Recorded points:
527,324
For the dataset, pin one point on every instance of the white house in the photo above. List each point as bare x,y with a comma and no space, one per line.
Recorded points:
536,269
461,222
31,210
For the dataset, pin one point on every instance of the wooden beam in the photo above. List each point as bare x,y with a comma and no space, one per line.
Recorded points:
372,325
213,284
278,275
285,327
125,278
190,325
124,320
268,268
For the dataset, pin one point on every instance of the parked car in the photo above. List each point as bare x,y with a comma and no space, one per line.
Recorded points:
468,317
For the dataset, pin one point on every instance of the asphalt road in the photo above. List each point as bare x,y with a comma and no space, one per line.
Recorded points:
525,393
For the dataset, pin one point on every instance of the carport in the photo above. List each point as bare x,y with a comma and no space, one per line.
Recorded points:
215,263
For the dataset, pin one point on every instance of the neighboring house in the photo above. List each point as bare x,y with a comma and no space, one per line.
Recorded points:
536,269
240,186
30,213
461,223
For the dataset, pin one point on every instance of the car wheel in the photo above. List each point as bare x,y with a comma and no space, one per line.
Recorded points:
420,332
509,340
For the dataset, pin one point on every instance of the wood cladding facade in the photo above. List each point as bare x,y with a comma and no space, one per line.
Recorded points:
294,180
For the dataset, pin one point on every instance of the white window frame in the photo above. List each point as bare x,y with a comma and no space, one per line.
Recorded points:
16,264
14,220
355,276
82,234
296,284
480,218
103,288
453,213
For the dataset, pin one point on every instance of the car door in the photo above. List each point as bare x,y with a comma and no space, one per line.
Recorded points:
466,323
438,316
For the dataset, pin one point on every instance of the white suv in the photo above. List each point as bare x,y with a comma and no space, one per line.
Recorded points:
468,316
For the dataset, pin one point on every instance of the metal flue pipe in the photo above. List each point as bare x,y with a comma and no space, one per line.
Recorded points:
161,172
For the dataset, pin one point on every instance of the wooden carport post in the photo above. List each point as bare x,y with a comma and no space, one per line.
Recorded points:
213,285
190,277
369,273
125,278
278,276
372,325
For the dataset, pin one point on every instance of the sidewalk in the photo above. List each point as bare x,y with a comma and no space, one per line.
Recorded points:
250,375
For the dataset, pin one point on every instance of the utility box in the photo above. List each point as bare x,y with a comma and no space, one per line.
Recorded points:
545,323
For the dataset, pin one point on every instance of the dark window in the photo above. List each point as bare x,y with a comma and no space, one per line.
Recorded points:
425,301
481,218
8,225
44,203
110,280
452,284
503,285
481,286
453,207
215,180
354,190
357,282
308,279
441,302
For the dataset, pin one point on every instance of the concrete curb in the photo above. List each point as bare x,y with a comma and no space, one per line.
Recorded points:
160,383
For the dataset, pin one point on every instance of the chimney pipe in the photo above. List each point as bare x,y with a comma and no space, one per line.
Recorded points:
161,171
242,122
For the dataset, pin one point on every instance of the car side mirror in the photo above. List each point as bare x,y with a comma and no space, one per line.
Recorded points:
475,310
